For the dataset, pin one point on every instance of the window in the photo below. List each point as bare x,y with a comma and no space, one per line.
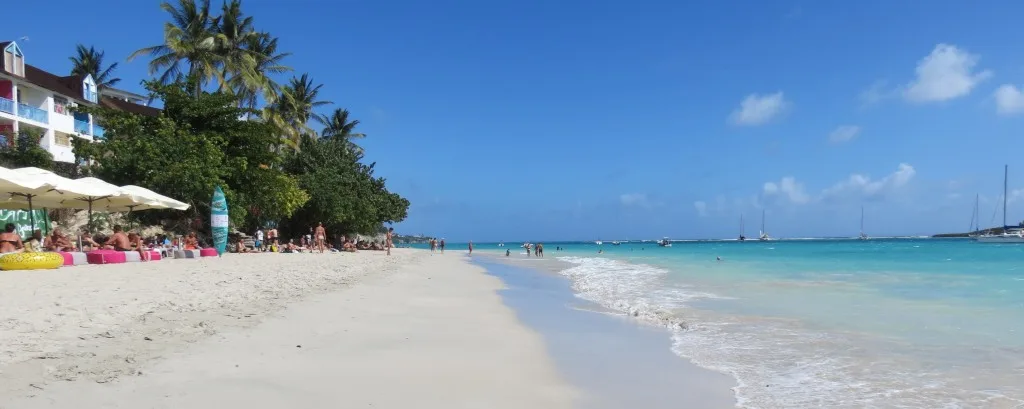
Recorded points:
14,60
60,139
60,106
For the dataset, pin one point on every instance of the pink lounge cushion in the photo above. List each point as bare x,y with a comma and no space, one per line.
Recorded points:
69,260
105,257
208,252
154,255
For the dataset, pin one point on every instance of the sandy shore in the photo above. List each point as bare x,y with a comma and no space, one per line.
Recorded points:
412,330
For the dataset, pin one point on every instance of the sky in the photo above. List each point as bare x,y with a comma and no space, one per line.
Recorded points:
581,119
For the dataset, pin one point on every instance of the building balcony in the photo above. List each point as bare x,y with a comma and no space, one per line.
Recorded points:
6,105
82,127
97,131
33,113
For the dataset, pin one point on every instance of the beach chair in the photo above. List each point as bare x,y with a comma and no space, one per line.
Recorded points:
74,258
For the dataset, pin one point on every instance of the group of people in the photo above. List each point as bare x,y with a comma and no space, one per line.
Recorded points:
11,242
315,240
436,245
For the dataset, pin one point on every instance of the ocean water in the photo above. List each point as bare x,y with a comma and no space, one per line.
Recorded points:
882,323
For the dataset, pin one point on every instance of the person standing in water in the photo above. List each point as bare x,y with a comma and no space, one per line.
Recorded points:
442,245
508,252
470,248
540,249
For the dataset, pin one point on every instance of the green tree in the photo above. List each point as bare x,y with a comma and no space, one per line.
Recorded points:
260,82
196,144
188,40
343,193
296,107
25,151
339,127
89,61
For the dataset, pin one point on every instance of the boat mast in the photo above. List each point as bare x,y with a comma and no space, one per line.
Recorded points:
862,221
1006,174
762,221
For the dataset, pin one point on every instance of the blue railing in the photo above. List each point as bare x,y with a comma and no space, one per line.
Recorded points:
6,105
33,113
82,127
97,131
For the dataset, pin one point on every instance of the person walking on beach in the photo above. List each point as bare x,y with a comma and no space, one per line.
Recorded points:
321,237
387,240
471,248
272,236
259,240
540,249
442,245
433,245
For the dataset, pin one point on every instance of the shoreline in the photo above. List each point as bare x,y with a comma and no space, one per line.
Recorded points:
434,328
602,350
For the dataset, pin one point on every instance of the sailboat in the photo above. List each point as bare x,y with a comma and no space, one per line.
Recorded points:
1010,234
665,242
598,242
862,235
764,235
975,228
742,237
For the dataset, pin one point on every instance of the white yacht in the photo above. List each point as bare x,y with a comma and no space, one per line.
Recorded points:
763,236
1010,234
862,235
665,242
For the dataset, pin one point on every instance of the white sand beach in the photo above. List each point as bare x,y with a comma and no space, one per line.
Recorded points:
359,330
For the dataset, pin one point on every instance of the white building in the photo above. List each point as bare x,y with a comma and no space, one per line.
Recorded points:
33,98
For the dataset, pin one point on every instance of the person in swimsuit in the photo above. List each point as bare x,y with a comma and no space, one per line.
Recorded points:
540,249
118,241
387,241
35,244
471,248
321,236
442,246
57,241
10,242
191,242
433,245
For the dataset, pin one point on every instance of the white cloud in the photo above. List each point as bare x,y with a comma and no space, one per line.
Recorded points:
758,109
858,185
878,91
1009,100
702,208
947,73
633,199
844,133
787,188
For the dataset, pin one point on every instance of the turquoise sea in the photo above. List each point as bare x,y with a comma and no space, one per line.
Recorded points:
888,323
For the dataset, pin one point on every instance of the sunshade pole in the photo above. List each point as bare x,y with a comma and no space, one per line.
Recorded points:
90,217
46,221
31,217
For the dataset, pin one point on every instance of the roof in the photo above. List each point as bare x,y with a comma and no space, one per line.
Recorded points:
126,106
70,86
4,44
112,90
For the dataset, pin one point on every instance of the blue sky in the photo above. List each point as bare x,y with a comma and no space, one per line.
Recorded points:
540,120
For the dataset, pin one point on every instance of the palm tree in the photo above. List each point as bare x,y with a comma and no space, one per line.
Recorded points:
338,127
89,61
231,32
295,107
188,39
262,47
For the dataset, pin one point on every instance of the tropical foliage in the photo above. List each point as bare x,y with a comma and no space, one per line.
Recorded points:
227,122
89,61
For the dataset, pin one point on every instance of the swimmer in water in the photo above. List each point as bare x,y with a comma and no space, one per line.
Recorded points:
718,258
508,252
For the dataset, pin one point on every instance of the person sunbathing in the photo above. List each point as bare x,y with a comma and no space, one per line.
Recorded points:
240,247
57,241
349,246
191,242
118,241
87,242
35,244
10,242
135,240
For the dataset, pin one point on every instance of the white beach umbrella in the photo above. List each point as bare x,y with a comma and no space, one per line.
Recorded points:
18,191
67,193
151,199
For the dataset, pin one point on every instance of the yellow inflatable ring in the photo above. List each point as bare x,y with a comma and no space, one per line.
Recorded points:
31,261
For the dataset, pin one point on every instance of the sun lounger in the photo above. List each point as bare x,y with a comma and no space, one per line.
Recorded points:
106,257
208,252
74,258
186,253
